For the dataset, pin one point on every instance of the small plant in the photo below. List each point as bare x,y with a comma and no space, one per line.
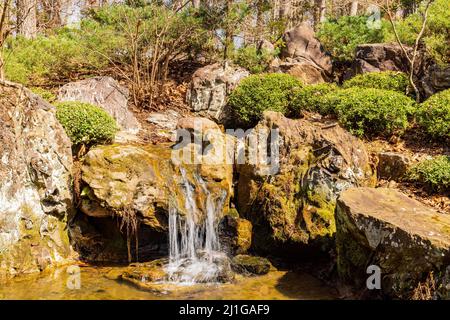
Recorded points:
85,123
313,98
372,112
258,93
434,115
387,80
433,173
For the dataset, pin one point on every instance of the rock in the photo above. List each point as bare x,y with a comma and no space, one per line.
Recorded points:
106,93
235,234
143,181
35,187
266,46
376,57
434,79
210,87
392,166
165,123
292,207
401,236
304,57
250,264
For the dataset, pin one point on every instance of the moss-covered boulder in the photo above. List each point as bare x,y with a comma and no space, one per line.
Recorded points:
35,183
293,206
251,264
235,234
404,238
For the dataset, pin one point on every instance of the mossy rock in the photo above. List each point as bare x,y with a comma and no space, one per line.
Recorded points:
251,264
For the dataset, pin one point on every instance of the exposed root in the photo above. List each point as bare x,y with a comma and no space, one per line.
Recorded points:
130,222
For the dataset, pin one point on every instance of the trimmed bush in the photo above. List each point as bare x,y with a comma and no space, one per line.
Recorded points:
387,80
434,173
258,93
254,60
372,112
314,98
85,123
434,115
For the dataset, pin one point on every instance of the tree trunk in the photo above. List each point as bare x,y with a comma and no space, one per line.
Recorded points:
354,8
196,4
26,18
322,10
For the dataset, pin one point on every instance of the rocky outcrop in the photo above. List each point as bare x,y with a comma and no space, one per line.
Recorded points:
106,93
401,236
35,183
210,87
303,56
165,123
251,264
293,207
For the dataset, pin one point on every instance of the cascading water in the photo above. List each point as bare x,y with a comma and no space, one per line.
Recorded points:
194,248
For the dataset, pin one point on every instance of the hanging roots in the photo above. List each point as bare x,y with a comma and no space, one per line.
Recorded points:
425,290
130,223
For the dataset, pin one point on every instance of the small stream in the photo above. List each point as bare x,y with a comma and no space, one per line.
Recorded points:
96,283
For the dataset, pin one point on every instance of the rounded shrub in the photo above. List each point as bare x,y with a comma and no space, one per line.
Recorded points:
372,112
434,114
258,93
314,98
386,80
433,173
85,123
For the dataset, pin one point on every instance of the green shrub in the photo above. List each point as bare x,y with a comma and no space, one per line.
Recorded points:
85,123
258,93
434,173
387,80
372,112
341,36
47,95
314,98
437,32
434,114
253,60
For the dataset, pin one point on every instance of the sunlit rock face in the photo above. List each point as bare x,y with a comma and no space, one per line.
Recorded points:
35,183
293,208
399,236
157,189
106,93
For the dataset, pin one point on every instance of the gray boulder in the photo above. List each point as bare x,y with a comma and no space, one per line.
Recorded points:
106,93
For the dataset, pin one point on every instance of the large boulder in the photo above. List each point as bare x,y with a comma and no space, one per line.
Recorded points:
106,93
375,57
303,56
385,228
35,187
293,207
210,88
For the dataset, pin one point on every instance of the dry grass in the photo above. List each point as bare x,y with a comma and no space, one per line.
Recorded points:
425,290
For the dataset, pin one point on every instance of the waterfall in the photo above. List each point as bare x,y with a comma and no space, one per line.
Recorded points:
194,248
